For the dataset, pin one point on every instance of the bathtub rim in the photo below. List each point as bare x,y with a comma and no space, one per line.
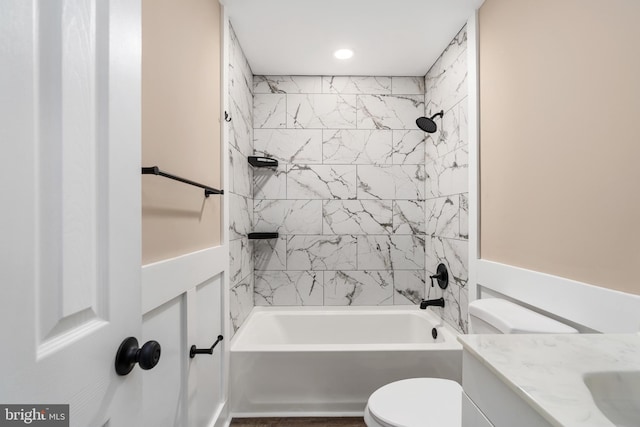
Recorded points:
449,334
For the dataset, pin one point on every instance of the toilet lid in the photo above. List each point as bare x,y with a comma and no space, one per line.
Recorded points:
418,402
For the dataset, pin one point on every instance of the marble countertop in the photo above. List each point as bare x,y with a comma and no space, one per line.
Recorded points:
547,370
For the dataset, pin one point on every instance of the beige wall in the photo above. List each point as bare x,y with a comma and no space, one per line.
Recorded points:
180,125
559,143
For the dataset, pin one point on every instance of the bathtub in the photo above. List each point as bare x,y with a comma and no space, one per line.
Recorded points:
327,361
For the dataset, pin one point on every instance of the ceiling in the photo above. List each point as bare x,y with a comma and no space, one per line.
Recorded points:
389,37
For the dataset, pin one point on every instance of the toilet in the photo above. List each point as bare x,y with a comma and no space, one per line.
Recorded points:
426,402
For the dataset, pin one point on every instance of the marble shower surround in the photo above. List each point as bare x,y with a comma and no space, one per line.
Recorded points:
240,132
348,194
446,167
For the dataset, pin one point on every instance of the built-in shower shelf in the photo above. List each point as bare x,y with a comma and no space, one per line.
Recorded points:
262,162
262,236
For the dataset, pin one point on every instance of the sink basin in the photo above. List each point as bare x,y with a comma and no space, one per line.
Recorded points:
617,395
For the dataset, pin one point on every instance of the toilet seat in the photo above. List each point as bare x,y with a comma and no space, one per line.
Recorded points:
416,402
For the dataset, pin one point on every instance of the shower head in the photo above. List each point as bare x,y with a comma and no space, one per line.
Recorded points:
427,124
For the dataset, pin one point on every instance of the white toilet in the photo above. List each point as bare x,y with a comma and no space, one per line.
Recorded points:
427,402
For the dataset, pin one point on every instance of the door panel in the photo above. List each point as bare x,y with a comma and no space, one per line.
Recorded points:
72,109
70,115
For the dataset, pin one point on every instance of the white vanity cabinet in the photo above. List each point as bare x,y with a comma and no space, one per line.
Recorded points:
542,380
488,402
472,416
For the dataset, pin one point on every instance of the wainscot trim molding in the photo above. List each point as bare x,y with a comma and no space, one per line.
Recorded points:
166,279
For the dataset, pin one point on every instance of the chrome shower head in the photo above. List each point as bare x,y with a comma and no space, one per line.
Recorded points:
427,124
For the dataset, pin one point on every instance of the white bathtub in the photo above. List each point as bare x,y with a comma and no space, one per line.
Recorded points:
327,361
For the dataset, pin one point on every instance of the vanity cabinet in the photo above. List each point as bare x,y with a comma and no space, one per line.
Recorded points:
472,416
488,402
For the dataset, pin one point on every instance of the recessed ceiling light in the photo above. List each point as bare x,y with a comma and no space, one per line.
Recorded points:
343,53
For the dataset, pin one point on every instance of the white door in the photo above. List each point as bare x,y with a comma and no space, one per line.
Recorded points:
70,205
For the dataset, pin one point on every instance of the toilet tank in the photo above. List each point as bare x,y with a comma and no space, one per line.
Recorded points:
499,316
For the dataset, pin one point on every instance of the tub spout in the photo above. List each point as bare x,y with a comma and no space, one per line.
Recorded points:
436,302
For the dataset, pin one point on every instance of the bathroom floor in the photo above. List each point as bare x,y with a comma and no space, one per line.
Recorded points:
297,422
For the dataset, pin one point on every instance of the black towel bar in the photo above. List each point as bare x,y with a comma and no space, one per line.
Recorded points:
155,170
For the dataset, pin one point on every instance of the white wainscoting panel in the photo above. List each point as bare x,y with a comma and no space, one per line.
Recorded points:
164,280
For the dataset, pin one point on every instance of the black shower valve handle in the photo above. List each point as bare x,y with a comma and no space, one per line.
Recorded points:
435,276
442,276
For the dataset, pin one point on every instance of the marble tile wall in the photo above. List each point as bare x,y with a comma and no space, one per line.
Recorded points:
240,132
348,196
446,170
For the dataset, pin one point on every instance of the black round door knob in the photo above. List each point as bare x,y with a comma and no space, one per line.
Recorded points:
129,354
